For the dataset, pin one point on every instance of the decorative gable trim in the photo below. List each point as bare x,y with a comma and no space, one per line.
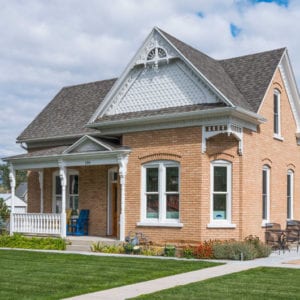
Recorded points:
155,40
88,144
291,87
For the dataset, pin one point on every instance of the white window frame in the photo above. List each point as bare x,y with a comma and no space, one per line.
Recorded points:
55,174
290,199
162,220
266,169
226,223
277,116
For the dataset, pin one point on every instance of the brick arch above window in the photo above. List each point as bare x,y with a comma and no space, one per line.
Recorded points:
267,161
222,156
277,86
160,156
291,167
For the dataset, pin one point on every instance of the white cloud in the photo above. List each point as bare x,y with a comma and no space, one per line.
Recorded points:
46,45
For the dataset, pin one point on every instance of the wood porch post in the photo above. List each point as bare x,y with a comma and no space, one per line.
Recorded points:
63,181
41,180
122,160
12,179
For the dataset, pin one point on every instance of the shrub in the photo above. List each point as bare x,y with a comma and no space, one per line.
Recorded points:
19,241
106,248
4,211
204,250
153,251
234,250
262,249
170,250
188,252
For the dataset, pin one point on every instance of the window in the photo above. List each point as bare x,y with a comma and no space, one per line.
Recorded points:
266,194
72,194
290,193
276,107
161,192
220,194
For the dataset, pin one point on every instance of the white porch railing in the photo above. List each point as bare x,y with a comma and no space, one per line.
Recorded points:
32,223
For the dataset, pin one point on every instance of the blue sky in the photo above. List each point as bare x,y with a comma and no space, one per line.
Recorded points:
48,45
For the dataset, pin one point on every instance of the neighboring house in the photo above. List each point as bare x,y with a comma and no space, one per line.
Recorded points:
20,205
21,191
180,147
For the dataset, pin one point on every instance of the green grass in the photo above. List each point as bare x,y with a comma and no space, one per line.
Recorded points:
40,275
258,283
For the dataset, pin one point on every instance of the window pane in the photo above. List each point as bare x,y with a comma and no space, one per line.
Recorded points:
58,204
172,206
220,207
152,206
264,183
264,194
276,115
152,179
289,196
73,202
264,210
220,179
172,179
57,186
73,184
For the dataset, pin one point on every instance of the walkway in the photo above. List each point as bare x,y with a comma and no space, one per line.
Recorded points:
134,290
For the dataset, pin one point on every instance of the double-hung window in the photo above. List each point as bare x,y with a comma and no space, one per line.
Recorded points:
290,194
160,192
220,194
277,117
265,194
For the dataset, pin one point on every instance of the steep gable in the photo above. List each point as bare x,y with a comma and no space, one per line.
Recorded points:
253,73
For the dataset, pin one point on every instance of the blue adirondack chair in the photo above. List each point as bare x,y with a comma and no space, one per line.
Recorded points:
80,226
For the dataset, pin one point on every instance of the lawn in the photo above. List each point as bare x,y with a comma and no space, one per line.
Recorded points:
258,283
40,275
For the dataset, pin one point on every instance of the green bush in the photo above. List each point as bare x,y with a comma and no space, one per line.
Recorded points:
170,250
19,241
188,252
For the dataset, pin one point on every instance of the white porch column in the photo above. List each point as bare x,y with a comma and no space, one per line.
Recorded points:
41,180
122,160
63,181
12,179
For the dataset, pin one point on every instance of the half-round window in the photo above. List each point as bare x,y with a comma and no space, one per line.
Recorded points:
156,53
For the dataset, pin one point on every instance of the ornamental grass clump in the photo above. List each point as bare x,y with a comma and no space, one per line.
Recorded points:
234,250
262,249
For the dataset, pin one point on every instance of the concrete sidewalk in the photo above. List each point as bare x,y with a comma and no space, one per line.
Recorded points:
151,286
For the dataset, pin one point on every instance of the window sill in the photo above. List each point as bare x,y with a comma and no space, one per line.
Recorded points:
264,223
278,137
222,225
165,224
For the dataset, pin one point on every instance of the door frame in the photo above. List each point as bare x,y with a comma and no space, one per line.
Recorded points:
111,178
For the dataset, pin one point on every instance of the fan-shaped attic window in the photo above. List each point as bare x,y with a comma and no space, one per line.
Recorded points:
156,53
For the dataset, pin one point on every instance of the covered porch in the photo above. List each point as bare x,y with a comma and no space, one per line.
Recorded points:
88,175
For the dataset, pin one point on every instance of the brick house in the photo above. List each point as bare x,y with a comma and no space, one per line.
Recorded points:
180,146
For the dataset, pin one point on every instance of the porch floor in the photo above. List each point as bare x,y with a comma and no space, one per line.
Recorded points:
84,243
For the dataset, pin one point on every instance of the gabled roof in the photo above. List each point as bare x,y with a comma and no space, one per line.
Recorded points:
68,112
238,82
252,74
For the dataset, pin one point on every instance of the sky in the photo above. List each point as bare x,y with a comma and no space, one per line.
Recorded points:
45,45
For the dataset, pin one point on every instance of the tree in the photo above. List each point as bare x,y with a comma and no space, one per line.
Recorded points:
21,176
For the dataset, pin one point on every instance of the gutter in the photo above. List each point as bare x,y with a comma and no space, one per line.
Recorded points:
231,111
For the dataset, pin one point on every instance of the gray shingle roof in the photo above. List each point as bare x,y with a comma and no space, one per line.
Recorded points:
253,73
68,112
242,80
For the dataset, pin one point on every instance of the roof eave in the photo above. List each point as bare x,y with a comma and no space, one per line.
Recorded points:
234,111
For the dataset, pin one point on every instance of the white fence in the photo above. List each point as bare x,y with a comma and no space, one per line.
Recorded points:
49,224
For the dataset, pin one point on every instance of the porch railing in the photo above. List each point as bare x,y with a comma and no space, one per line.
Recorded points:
32,223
